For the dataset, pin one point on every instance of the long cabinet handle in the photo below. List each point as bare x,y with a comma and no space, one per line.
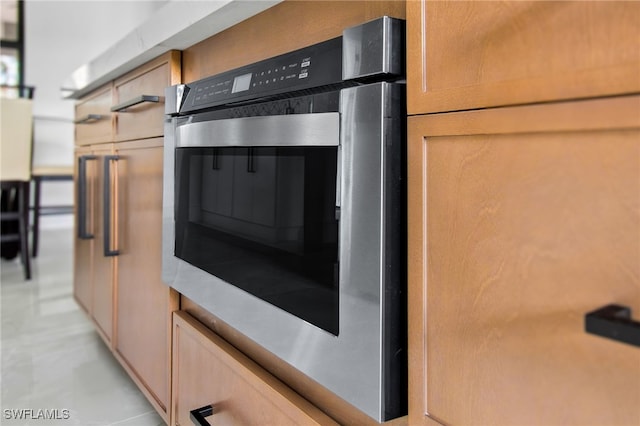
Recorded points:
614,322
135,101
88,119
198,415
83,234
107,206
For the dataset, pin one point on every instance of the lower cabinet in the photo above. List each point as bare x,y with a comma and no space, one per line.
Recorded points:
94,269
521,221
209,372
118,259
143,303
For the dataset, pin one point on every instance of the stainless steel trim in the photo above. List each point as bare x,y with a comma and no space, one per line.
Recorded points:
357,350
373,48
169,261
321,129
174,97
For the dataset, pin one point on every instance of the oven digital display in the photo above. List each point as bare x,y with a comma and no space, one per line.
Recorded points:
241,83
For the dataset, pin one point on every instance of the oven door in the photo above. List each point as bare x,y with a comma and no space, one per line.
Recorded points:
289,229
256,207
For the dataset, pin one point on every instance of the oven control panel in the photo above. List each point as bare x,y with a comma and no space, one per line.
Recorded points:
307,68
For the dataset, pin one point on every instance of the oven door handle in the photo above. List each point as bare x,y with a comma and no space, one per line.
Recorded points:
318,129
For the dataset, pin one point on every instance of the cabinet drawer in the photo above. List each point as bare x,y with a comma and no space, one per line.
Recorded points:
139,98
209,371
521,221
93,122
472,54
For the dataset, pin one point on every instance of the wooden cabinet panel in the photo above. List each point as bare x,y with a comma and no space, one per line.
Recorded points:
103,266
520,222
208,370
83,248
472,54
145,119
94,272
93,118
143,303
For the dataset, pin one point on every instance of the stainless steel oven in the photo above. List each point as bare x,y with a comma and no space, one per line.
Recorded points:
284,208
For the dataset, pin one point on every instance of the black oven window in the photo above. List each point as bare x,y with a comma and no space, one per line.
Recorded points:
263,219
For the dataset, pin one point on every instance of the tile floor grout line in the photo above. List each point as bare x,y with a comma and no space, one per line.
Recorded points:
131,418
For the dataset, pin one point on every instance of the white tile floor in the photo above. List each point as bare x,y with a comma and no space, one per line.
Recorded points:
52,359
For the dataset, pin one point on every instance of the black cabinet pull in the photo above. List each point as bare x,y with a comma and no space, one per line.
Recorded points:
198,415
88,119
83,234
614,322
135,101
106,205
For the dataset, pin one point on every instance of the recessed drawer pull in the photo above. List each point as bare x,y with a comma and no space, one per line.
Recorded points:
135,101
614,322
198,415
88,119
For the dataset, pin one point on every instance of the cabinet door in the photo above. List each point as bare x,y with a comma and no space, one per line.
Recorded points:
103,265
472,54
521,221
85,193
143,301
209,371
94,272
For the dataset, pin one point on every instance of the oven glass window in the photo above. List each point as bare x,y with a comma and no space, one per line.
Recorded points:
263,219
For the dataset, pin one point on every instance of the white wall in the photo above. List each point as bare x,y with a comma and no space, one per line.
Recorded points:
60,36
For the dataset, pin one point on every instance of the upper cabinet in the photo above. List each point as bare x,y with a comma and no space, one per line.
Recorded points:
130,107
477,54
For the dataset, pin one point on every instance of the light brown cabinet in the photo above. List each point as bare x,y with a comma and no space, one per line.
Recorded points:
93,117
209,371
143,303
94,272
476,54
521,221
139,98
118,281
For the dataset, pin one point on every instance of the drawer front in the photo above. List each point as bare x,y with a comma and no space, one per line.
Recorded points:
465,55
527,230
209,371
143,119
93,118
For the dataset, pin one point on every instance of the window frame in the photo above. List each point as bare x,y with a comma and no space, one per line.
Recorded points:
18,44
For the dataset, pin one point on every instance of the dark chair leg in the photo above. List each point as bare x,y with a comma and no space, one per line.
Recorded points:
24,228
36,215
